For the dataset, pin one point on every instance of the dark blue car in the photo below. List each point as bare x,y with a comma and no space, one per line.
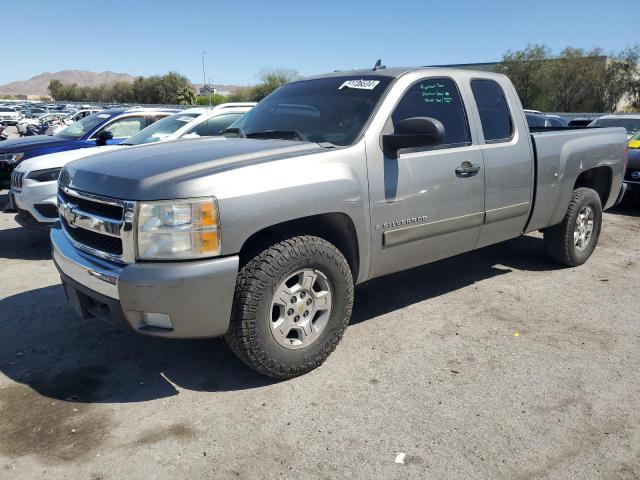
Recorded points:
105,127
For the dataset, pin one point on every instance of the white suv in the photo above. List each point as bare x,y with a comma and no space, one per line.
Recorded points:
34,182
9,116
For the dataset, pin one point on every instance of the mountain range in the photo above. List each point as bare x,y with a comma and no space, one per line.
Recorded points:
38,84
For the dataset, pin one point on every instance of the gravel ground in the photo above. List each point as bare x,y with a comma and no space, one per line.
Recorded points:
496,364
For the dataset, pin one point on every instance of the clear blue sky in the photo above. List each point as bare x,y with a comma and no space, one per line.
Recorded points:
152,37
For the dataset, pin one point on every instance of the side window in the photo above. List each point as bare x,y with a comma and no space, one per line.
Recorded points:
494,111
221,122
201,130
437,98
154,118
125,127
534,121
213,126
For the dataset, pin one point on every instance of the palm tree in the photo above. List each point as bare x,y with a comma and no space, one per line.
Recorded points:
186,96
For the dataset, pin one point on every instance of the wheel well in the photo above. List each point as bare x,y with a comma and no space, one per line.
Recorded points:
336,228
598,179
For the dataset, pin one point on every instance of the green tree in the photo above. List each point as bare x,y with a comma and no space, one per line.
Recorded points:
572,79
271,79
524,68
241,94
186,96
55,88
216,99
619,80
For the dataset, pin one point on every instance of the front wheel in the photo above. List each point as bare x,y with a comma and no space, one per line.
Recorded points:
572,242
291,307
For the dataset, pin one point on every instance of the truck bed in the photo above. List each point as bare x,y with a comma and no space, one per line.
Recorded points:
561,154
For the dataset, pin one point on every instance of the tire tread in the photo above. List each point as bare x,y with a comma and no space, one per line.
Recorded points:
558,240
254,278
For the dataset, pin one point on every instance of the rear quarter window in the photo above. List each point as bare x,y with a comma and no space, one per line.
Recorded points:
495,118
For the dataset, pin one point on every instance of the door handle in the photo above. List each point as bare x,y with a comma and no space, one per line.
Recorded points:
466,169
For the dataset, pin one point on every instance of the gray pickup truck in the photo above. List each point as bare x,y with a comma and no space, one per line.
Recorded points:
330,181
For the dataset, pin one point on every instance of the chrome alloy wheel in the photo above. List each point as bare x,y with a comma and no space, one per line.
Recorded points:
584,228
301,308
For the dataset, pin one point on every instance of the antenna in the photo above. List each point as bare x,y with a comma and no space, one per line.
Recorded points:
378,65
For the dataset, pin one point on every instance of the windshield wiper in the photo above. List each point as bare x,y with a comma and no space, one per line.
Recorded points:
282,134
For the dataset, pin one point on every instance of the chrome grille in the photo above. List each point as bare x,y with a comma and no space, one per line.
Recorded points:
98,225
16,180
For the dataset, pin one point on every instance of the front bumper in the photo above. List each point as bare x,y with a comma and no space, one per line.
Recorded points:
632,186
196,296
38,198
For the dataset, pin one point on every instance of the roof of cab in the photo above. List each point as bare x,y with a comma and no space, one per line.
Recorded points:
395,72
119,110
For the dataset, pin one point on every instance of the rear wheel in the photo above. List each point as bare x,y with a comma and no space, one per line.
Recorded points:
292,304
572,242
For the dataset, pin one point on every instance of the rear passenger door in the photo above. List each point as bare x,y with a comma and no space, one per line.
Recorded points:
423,207
507,159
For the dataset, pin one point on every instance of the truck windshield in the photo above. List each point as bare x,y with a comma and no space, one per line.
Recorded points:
632,125
79,129
327,110
161,129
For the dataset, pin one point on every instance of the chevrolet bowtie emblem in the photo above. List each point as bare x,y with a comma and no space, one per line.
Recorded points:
66,210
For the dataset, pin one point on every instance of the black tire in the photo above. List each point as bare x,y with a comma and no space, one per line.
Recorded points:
249,335
559,239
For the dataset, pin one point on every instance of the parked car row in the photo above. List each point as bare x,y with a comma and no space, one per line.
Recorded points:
34,182
52,123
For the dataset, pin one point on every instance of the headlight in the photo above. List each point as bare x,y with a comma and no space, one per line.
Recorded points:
178,229
46,175
11,158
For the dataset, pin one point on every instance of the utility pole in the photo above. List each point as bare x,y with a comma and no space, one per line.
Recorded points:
204,75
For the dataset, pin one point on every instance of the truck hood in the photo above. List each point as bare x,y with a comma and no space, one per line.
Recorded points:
162,170
60,159
29,143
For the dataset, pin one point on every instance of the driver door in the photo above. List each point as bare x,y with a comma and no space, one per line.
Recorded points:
423,206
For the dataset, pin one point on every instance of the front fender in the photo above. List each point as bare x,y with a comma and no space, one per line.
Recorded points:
259,196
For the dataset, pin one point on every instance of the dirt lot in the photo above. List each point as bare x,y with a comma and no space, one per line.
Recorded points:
492,365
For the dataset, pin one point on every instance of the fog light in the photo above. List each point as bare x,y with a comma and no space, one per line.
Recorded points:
157,320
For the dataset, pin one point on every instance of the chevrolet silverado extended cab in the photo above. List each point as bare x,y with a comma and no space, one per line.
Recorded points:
329,182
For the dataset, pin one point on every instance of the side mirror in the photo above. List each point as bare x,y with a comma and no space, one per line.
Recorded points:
413,132
103,137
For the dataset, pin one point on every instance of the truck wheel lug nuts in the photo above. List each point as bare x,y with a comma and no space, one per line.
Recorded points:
294,299
306,313
309,301
302,294
296,318
290,311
